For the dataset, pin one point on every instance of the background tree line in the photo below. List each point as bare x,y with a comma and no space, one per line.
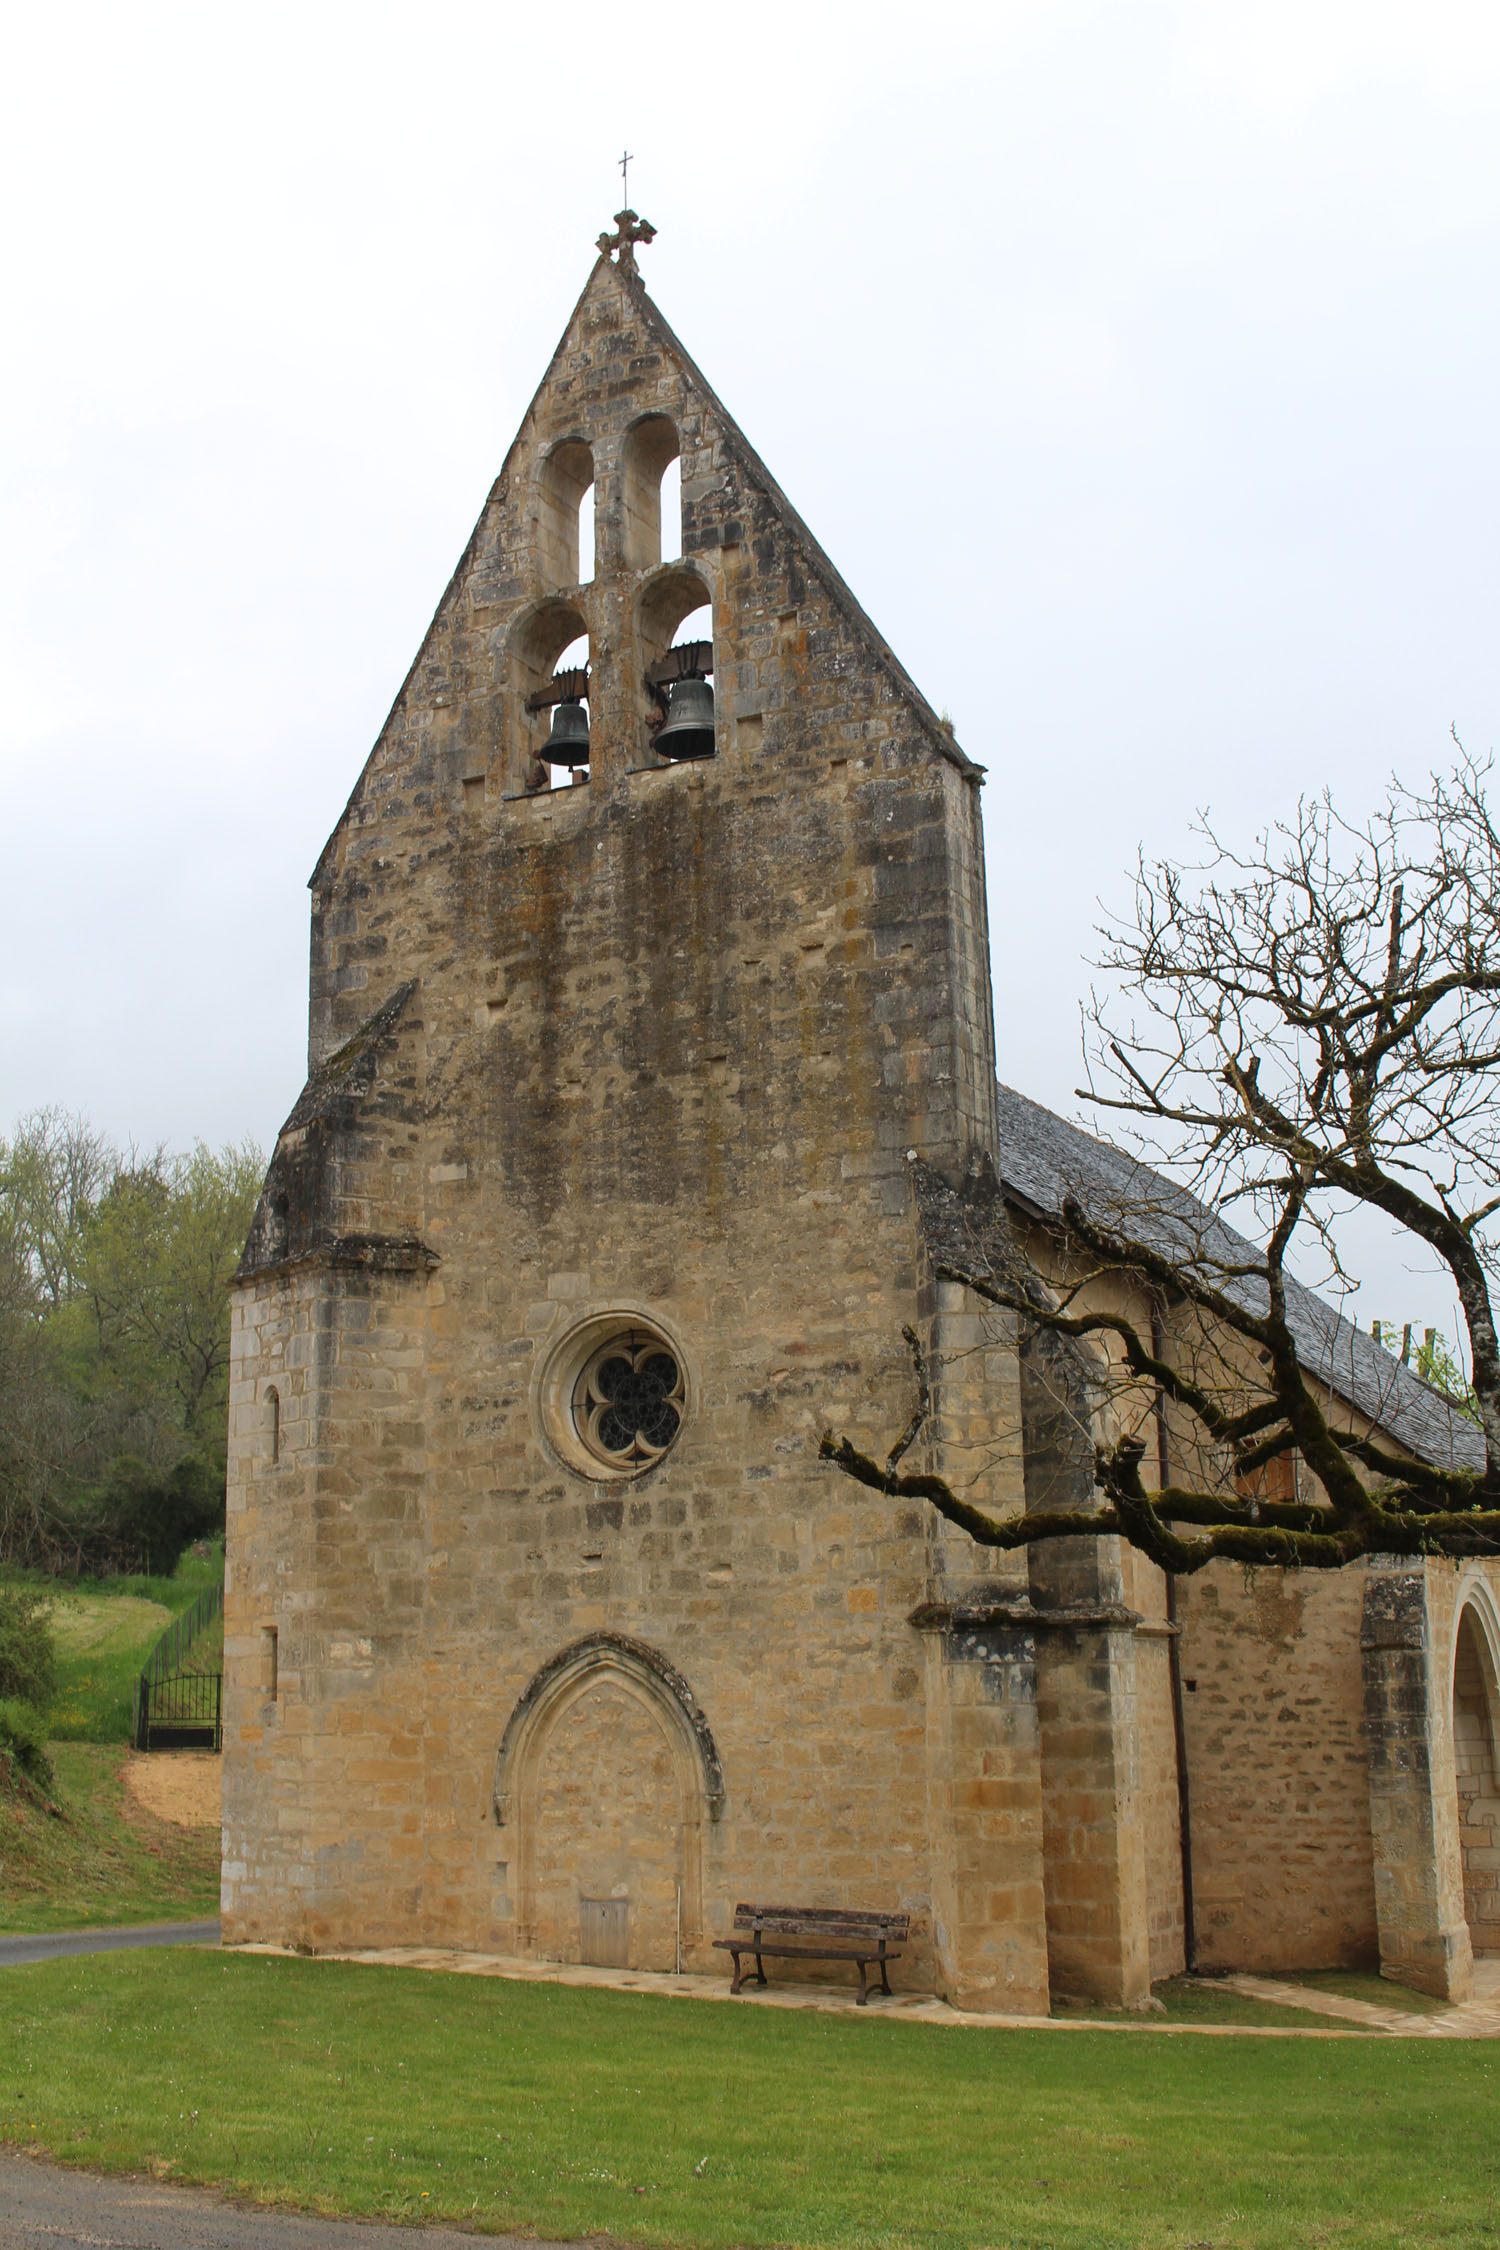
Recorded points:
114,1344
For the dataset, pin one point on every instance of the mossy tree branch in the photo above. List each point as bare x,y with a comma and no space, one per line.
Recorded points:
1310,1023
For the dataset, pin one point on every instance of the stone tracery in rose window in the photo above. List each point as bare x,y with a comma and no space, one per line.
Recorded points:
628,1403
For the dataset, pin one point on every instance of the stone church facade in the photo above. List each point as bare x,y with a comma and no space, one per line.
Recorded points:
546,1631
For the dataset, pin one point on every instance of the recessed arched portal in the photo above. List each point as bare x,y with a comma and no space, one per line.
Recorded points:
1476,1708
607,1771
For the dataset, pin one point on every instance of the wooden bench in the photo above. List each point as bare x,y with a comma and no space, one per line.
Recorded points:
829,1933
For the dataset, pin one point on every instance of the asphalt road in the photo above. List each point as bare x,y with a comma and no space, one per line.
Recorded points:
42,2207
59,1942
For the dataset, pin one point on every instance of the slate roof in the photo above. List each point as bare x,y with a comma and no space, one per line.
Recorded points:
1042,1159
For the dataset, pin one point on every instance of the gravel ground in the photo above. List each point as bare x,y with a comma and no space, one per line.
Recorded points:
177,1785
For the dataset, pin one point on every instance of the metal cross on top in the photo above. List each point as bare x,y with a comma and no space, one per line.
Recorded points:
629,230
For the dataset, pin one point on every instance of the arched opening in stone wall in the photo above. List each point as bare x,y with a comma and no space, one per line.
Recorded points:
552,640
1475,1710
650,493
671,510
608,1833
675,626
565,515
602,1773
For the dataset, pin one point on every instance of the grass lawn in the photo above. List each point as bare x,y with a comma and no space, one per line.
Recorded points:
106,1859
408,2095
106,1628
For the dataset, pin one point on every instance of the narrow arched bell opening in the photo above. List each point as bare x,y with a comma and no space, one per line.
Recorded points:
677,640
550,669
565,516
687,728
670,508
650,493
565,751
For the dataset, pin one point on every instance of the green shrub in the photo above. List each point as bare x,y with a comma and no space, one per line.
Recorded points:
28,1653
21,1735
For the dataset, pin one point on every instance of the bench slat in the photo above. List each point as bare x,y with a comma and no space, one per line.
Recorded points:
816,1920
806,1952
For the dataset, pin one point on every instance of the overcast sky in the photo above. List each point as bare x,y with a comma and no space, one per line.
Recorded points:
1137,365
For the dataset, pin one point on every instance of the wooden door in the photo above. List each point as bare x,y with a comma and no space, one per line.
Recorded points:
604,1932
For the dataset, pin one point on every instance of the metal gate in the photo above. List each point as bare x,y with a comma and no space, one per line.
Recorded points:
179,1697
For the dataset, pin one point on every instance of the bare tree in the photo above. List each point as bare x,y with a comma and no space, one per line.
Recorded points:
1288,1034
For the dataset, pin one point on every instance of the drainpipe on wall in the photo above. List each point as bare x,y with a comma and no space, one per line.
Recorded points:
1174,1673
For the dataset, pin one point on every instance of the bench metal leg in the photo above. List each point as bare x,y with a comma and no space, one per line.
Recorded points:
864,1986
741,1974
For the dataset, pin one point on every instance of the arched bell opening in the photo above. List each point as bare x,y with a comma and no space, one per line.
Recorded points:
565,515
550,668
1476,1710
675,635
670,504
650,512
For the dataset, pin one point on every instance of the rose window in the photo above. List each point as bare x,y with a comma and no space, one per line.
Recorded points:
628,1403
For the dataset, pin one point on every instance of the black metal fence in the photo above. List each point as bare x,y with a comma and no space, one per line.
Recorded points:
179,1703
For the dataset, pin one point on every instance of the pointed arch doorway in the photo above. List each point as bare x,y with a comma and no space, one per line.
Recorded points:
607,1772
1476,1730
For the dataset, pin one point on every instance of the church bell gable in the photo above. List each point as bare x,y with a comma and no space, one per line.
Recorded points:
586,636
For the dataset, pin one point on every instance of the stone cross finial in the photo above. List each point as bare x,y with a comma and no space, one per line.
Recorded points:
629,230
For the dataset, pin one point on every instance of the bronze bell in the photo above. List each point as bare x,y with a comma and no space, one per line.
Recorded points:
688,729
568,743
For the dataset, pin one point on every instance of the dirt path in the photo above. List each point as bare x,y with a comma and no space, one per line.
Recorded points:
177,1785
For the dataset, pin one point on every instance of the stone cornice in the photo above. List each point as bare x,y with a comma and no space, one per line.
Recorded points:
969,1617
350,1253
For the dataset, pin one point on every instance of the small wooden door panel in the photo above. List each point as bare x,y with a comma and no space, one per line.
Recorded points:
604,1932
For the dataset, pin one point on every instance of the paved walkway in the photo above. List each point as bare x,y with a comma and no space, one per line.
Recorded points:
53,1944
41,2207
1479,2019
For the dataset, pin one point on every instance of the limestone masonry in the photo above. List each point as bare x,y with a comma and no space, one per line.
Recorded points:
546,1632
